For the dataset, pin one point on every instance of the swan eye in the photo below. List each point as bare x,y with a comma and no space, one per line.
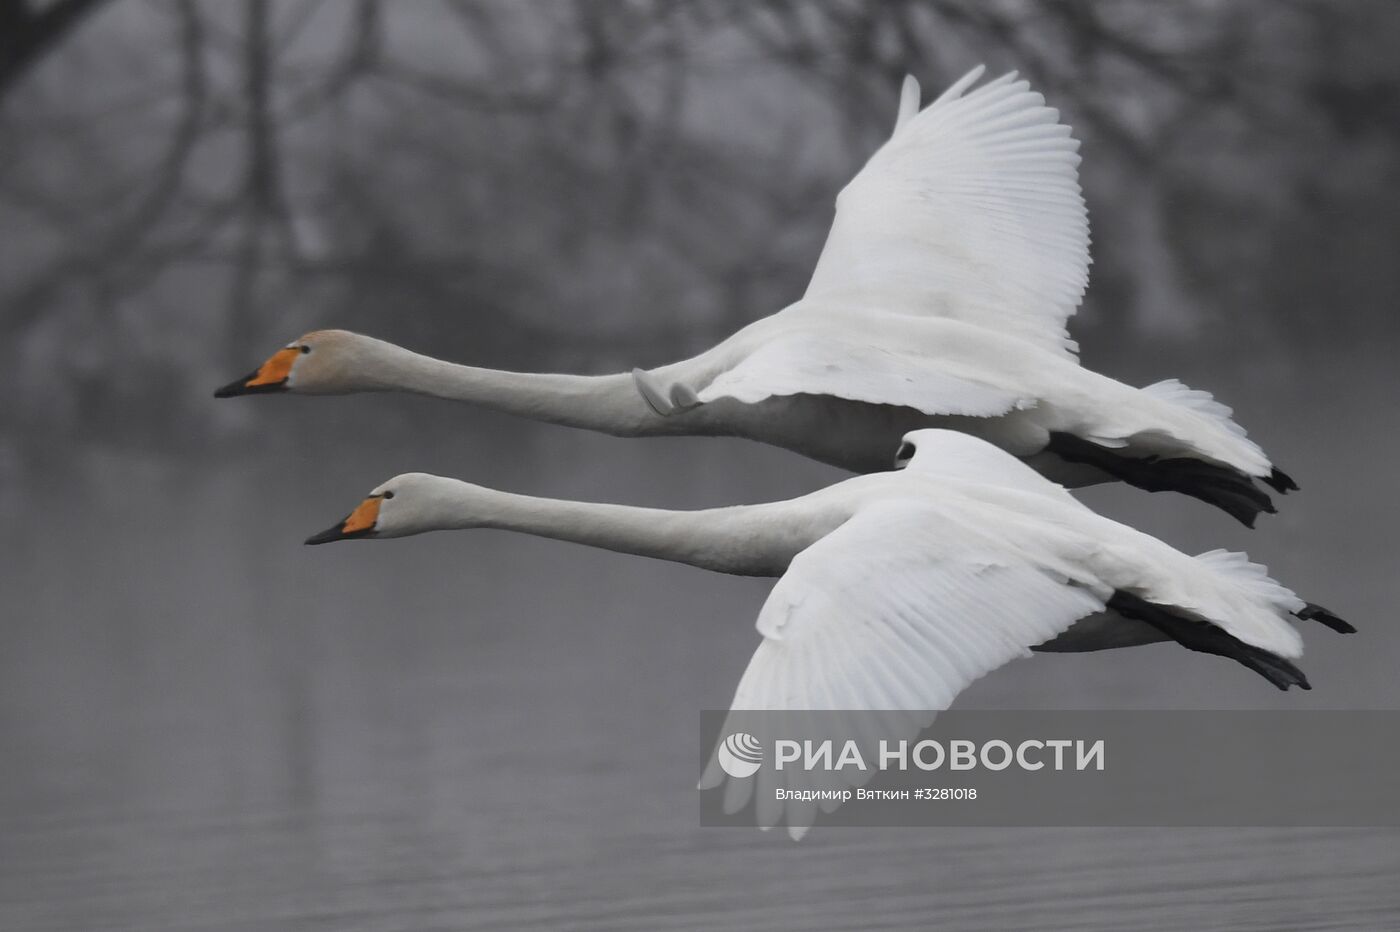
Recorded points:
388,495
906,452
305,349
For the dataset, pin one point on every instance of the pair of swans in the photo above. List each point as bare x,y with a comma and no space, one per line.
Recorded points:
931,338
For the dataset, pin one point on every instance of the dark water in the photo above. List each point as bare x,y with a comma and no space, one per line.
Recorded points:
205,725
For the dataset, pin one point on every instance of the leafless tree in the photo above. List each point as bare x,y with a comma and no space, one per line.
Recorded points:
549,183
28,32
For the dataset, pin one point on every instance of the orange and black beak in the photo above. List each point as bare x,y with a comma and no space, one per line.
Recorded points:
271,376
359,523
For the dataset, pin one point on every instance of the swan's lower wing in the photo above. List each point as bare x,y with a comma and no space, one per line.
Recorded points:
820,364
899,609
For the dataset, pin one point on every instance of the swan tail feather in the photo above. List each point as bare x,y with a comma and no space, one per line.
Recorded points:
1174,391
1218,436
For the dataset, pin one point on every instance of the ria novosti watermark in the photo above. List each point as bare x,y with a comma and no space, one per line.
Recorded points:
928,754
1051,768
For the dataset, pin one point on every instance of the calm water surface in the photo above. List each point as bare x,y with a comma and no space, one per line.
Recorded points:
205,725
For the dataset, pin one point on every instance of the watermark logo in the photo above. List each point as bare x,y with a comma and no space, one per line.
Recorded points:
740,755
1298,767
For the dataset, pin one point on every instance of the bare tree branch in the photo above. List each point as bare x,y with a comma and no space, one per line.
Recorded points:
26,35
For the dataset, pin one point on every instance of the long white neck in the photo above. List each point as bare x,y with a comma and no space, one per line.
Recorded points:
745,540
607,403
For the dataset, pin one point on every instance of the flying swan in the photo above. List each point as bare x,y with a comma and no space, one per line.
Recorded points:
956,257
901,588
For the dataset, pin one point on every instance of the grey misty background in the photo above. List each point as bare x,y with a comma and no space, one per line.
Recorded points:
204,723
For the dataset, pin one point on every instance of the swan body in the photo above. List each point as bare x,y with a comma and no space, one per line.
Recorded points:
897,590
956,257
940,372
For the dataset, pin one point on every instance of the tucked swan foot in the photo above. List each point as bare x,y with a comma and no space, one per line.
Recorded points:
1227,489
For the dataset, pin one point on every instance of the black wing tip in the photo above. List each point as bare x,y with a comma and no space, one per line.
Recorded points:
1315,612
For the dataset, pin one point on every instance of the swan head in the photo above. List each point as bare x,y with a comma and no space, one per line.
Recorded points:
323,362
408,504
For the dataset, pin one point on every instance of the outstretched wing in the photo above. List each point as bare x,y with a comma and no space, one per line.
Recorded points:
971,211
812,363
900,608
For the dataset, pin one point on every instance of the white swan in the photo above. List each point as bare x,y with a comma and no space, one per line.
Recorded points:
899,589
940,299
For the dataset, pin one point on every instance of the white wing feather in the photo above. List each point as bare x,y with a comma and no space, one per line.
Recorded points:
948,608
972,211
908,102
808,363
